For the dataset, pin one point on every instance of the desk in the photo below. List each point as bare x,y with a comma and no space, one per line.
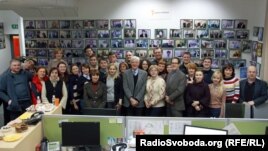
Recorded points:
30,138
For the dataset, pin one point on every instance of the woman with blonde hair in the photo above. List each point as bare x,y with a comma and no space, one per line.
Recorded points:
217,95
58,54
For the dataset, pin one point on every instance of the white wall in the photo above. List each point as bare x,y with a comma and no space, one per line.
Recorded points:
8,18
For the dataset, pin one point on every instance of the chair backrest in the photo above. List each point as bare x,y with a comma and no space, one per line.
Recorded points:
234,110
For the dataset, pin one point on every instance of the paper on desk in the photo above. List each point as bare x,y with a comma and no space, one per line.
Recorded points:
232,129
25,115
177,127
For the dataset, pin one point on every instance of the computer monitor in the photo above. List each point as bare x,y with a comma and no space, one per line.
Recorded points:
81,134
99,111
234,110
196,130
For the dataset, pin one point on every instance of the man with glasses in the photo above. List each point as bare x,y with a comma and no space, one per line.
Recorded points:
176,83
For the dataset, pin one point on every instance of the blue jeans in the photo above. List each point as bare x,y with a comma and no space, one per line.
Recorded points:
215,112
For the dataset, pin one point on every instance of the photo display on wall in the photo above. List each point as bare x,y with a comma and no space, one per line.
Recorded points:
220,39
2,36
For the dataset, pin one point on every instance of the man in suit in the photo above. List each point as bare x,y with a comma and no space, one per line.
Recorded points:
176,83
134,83
253,92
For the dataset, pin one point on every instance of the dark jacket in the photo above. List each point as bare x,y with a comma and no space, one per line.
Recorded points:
207,76
200,92
183,69
95,99
80,84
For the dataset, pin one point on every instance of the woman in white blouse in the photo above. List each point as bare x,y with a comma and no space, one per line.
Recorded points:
155,93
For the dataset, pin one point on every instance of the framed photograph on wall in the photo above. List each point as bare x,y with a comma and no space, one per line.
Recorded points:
88,24
167,53
66,43
102,24
30,44
76,34
167,43
41,24
53,43
116,23
129,43
65,24
130,23
258,68
103,53
92,43
117,43
78,43
229,34
116,33
160,33
31,52
216,64
78,53
41,43
221,53
215,34
142,53
104,43
259,49
246,46
234,44
53,24
53,34
207,44
181,43
42,61
200,23
220,44
202,33
227,24
119,53
155,43
260,33
175,34
207,53
242,34
255,31
179,52
214,24
235,53
241,23
29,24
193,43
42,53
186,23
77,24
129,33
189,33
29,34
90,33
41,34
142,43
103,33
195,53
144,33
238,63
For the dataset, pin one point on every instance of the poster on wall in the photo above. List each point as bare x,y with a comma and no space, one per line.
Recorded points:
2,36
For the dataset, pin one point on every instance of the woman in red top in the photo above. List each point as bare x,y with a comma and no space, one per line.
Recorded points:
36,85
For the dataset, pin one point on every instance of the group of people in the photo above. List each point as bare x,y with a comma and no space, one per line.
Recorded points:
134,87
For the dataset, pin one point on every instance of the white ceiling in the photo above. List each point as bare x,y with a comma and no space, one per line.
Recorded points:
42,8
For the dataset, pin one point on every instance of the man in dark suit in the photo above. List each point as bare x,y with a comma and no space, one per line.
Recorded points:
143,34
176,83
134,83
253,92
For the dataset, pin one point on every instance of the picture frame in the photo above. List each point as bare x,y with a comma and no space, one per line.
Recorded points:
41,34
92,43
65,24
129,33
215,64
78,60
167,53
260,33
207,44
53,34
116,23
215,34
77,24
220,44
193,43
41,43
31,52
103,43
186,23
167,43
259,49
53,24
175,34
241,23
258,69
155,43
221,53
89,24
66,43
238,63
246,46
235,53
144,33
90,33
129,43
2,45
198,62
142,43
160,33
41,24
65,34
29,24
103,33
53,43
116,33
142,53
103,53
224,62
207,53
150,54
102,24
42,61
181,43
189,33
255,31
68,53
42,53
30,43
179,52
242,34
129,23
76,34
195,53
202,33
78,53
129,50
227,24
234,44
119,53
214,23
200,23
78,43
29,34
229,34
117,43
